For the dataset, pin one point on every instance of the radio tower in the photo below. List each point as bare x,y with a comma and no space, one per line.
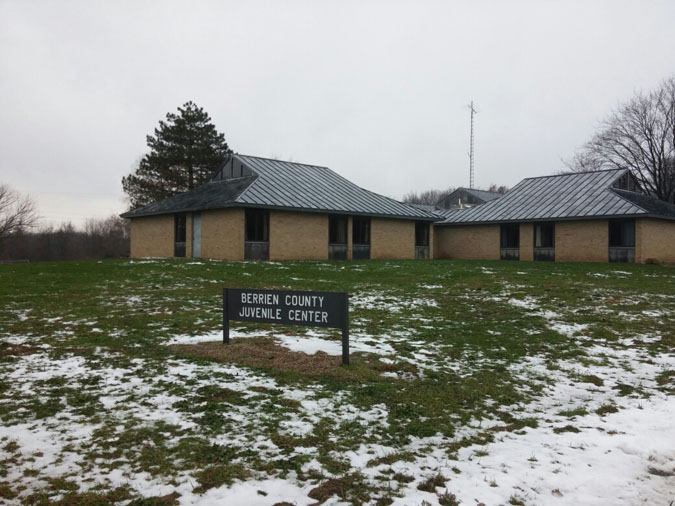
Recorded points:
473,111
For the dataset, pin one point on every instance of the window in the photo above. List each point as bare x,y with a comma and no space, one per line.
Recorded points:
622,233
337,238
361,232
622,240
231,170
627,182
421,240
337,230
361,238
544,241
510,236
179,235
256,244
421,234
544,235
257,225
510,242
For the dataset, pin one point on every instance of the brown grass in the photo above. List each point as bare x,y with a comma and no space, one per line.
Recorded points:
430,484
348,488
261,352
265,352
7,350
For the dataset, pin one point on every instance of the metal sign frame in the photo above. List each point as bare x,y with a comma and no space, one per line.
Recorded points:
288,307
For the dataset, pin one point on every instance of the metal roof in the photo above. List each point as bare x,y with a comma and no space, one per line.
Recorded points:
288,186
654,207
562,197
213,195
484,195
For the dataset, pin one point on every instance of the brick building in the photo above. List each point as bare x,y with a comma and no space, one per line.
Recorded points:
260,209
583,217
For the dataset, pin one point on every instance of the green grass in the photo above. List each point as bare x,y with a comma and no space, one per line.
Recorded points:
454,335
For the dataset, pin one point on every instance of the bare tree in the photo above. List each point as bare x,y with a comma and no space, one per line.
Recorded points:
494,188
639,135
17,212
427,197
100,238
112,226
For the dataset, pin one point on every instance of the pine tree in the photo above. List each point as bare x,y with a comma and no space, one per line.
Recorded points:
184,151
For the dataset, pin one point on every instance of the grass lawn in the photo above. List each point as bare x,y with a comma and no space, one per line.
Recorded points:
493,382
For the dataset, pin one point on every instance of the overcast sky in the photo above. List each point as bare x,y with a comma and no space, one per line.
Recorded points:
377,91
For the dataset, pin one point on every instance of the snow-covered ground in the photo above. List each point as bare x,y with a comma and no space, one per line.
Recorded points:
590,445
622,456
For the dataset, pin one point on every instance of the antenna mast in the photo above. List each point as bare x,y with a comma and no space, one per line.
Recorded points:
473,111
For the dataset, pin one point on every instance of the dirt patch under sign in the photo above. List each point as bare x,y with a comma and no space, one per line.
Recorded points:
265,352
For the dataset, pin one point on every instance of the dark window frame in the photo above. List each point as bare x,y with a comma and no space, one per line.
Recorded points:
422,233
538,227
361,226
621,233
509,241
338,229
543,233
621,240
361,230
179,234
422,239
256,225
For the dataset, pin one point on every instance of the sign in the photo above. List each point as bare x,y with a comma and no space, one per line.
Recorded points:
312,309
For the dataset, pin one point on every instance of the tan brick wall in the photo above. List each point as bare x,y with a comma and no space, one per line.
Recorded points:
298,236
476,242
655,240
223,234
188,235
152,236
582,241
350,238
431,241
527,241
392,239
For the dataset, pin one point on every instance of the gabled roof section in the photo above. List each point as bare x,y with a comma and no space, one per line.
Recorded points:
581,195
651,205
466,197
289,186
314,188
484,195
212,195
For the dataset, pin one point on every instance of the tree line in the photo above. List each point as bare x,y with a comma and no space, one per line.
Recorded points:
98,239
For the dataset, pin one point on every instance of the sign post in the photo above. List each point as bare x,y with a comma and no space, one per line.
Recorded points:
226,318
312,309
345,330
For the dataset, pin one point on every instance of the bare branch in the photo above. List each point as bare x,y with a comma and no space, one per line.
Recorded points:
17,212
639,135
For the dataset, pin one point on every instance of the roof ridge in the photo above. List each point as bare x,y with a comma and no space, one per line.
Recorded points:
473,189
225,180
482,191
282,161
574,173
631,191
